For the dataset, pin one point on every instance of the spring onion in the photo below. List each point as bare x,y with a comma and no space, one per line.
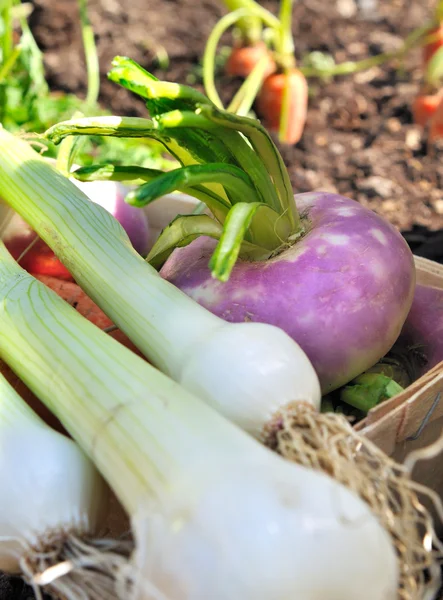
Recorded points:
248,371
52,502
215,513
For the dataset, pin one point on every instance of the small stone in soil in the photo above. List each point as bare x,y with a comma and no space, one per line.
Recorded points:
377,186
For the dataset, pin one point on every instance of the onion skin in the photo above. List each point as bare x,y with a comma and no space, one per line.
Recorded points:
342,292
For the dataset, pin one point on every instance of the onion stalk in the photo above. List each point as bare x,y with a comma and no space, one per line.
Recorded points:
250,372
215,513
52,502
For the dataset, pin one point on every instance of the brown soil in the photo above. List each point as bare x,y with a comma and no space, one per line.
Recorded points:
359,141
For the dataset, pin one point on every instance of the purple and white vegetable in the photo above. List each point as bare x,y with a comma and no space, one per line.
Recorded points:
332,274
423,328
342,291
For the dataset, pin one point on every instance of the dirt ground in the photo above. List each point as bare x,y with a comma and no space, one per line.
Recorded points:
359,140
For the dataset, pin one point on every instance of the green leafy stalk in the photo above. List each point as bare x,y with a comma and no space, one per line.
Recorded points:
236,225
6,39
67,150
285,45
116,126
243,100
229,162
133,77
124,127
9,63
249,24
264,147
180,232
6,47
210,51
139,175
232,178
92,63
368,390
416,38
165,97
245,157
254,9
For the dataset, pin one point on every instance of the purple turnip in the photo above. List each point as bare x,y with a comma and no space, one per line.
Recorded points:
422,333
342,291
333,275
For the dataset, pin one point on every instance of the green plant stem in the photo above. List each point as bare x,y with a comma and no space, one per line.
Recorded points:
243,100
210,51
6,50
285,44
8,65
264,147
250,26
133,77
7,40
126,127
368,390
232,178
349,67
239,148
92,63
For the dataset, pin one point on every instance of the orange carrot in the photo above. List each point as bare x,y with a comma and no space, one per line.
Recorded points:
39,259
424,107
436,35
436,122
243,59
270,101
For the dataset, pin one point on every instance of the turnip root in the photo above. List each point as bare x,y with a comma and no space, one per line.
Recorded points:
342,291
